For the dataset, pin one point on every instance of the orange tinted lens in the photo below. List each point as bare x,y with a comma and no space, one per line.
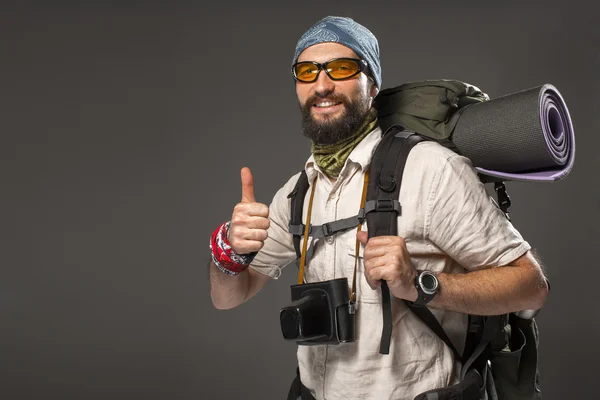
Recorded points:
340,69
306,71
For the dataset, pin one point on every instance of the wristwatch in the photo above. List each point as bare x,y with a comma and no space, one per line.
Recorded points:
427,285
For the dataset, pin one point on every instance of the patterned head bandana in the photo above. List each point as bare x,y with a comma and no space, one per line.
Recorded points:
351,34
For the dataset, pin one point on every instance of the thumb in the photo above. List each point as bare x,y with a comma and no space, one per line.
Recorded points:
362,237
247,186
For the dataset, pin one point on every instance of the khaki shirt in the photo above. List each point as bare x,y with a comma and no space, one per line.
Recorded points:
450,224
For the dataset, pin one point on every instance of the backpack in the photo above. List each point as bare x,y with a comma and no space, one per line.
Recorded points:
500,360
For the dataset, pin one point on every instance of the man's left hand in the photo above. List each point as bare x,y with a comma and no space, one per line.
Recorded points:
387,258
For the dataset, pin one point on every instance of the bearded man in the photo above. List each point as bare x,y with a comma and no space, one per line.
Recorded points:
449,229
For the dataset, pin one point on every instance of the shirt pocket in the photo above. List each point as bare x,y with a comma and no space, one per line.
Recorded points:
364,293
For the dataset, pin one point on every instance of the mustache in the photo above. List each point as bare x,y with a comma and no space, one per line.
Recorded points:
335,97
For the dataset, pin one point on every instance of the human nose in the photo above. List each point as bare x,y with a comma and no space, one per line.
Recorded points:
324,83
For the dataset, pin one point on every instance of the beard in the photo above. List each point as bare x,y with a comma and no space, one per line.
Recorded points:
332,130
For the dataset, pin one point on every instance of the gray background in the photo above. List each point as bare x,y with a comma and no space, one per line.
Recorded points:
124,127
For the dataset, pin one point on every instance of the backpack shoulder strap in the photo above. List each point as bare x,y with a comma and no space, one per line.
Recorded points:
382,206
387,168
297,195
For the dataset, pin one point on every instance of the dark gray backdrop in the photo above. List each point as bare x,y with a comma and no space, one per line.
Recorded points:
124,127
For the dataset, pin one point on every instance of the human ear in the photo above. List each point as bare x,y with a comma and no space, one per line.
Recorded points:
374,90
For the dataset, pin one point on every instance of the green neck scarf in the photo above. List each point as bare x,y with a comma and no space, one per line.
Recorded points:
331,157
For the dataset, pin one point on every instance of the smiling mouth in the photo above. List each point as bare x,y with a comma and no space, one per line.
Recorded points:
326,104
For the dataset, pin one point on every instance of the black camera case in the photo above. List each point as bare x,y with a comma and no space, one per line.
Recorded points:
320,313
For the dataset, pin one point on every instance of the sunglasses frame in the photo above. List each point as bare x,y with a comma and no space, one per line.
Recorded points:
362,66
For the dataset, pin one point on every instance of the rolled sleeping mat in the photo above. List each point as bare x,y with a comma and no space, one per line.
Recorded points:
524,136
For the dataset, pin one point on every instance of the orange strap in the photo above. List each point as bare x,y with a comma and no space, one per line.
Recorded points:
358,229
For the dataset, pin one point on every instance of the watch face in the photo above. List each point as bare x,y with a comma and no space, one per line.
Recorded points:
429,283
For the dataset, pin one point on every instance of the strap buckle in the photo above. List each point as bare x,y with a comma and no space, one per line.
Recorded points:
327,231
503,198
351,307
384,205
361,215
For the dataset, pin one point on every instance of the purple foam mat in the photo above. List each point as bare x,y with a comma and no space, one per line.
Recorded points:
525,136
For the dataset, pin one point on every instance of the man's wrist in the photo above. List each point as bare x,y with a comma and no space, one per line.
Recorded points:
413,294
223,256
408,291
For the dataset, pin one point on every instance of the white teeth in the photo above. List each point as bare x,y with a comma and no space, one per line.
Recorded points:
325,104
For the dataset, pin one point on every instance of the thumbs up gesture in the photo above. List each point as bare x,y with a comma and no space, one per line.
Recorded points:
250,220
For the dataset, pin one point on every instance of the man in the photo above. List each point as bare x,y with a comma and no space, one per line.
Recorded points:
449,226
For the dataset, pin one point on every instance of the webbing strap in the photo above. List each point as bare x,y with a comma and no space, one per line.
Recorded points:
327,229
297,196
297,390
491,327
431,321
340,225
309,252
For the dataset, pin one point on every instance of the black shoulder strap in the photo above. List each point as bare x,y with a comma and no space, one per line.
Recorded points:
429,319
385,179
297,195
387,168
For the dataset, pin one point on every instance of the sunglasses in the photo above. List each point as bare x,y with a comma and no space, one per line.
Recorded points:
337,69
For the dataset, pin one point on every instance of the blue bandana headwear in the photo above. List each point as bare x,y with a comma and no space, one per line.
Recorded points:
351,34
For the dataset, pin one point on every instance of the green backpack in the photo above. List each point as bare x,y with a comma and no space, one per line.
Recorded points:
501,352
430,108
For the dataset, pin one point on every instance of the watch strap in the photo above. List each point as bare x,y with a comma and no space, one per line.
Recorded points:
422,297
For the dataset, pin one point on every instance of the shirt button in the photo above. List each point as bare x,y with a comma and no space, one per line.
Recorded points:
329,239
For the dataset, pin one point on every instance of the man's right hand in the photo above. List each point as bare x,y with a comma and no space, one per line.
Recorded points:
250,220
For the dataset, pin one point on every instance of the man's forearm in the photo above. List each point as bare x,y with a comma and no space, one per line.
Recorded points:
227,291
493,291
